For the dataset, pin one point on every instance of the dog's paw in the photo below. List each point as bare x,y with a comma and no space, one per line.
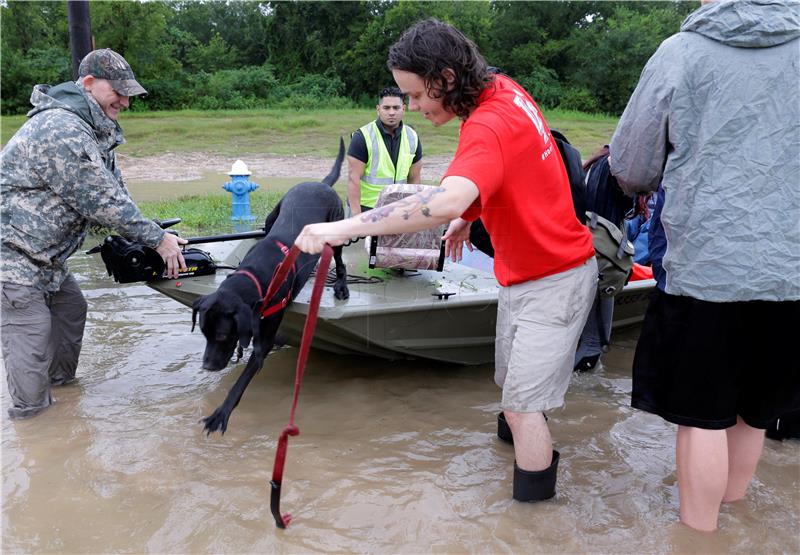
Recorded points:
217,422
341,291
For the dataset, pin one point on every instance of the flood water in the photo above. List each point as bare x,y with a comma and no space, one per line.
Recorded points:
393,457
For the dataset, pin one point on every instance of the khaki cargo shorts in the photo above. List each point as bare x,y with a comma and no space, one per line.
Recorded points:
539,323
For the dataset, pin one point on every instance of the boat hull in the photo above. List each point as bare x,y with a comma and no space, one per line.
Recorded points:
447,316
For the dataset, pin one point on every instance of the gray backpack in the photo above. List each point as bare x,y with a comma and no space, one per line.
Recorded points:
614,254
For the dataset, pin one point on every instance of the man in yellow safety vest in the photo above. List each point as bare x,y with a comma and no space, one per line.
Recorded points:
382,152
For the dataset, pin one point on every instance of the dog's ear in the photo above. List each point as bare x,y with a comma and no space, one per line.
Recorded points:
197,305
244,324
272,216
338,212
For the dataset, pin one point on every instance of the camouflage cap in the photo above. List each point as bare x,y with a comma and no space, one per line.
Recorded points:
107,64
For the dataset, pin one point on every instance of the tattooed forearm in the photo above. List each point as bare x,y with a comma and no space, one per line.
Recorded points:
409,205
377,214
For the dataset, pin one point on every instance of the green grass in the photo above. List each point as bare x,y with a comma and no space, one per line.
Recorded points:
301,133
208,214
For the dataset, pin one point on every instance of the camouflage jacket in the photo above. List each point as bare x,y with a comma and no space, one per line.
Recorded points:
57,176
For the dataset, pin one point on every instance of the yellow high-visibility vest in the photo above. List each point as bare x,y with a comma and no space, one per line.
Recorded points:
379,170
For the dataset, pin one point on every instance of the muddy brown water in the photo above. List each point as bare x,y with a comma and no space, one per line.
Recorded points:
393,457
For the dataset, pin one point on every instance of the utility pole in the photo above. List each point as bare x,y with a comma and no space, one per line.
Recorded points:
80,32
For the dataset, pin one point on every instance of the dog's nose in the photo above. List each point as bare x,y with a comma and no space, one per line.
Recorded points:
211,367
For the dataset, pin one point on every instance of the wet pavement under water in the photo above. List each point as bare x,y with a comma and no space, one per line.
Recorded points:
393,457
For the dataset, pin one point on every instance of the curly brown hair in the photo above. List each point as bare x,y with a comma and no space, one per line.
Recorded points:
431,46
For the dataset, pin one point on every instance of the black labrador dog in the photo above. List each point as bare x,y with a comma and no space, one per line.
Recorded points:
231,315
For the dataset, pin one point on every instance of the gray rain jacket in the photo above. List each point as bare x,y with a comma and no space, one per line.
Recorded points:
715,119
58,175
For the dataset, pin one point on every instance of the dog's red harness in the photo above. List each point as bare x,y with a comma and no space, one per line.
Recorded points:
268,310
288,263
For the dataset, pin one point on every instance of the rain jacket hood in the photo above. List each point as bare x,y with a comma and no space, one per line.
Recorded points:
714,121
67,96
71,97
742,24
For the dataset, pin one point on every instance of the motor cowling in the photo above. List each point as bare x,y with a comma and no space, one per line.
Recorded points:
130,262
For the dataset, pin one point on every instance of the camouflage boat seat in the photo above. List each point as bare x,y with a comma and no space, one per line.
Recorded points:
423,250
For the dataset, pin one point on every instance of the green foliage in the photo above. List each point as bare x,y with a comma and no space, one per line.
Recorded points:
208,54
33,25
215,55
607,57
365,61
580,55
162,94
527,35
579,99
41,65
315,86
35,49
138,31
248,87
543,85
312,37
241,25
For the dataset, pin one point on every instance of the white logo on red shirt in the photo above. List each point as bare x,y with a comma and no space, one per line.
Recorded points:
530,110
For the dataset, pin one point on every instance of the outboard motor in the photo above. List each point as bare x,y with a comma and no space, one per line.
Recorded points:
130,262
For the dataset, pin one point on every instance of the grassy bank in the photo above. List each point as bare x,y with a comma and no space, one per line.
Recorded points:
302,133
207,213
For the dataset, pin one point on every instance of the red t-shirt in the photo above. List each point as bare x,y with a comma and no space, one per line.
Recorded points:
506,149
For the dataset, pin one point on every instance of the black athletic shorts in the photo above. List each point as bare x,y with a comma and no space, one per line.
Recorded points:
701,364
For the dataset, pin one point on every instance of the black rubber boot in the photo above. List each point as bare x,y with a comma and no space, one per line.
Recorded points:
587,363
536,485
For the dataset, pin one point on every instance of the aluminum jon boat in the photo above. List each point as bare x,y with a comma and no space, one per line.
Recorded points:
447,316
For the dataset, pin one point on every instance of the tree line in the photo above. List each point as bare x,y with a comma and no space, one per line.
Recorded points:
196,54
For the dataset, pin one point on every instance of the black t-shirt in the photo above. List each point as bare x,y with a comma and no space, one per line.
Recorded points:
358,144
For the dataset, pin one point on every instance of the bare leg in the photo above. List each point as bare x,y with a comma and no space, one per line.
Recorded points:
533,446
744,449
702,460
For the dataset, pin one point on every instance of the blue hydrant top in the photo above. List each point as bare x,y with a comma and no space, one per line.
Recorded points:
240,187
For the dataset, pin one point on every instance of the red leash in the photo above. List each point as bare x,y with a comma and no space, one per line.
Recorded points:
282,521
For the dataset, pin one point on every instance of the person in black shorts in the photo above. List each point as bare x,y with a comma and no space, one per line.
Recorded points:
709,122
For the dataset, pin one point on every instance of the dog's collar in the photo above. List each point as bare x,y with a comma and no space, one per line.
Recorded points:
284,248
254,279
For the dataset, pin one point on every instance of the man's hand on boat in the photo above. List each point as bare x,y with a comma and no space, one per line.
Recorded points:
424,210
170,250
456,236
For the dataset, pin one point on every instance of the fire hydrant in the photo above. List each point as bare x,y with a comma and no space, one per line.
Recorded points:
240,187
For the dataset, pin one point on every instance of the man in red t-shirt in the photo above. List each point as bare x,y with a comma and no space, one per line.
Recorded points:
507,170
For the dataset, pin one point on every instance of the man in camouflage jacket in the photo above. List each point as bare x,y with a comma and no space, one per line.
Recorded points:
57,176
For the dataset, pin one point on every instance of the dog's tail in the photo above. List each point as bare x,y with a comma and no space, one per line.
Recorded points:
331,179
